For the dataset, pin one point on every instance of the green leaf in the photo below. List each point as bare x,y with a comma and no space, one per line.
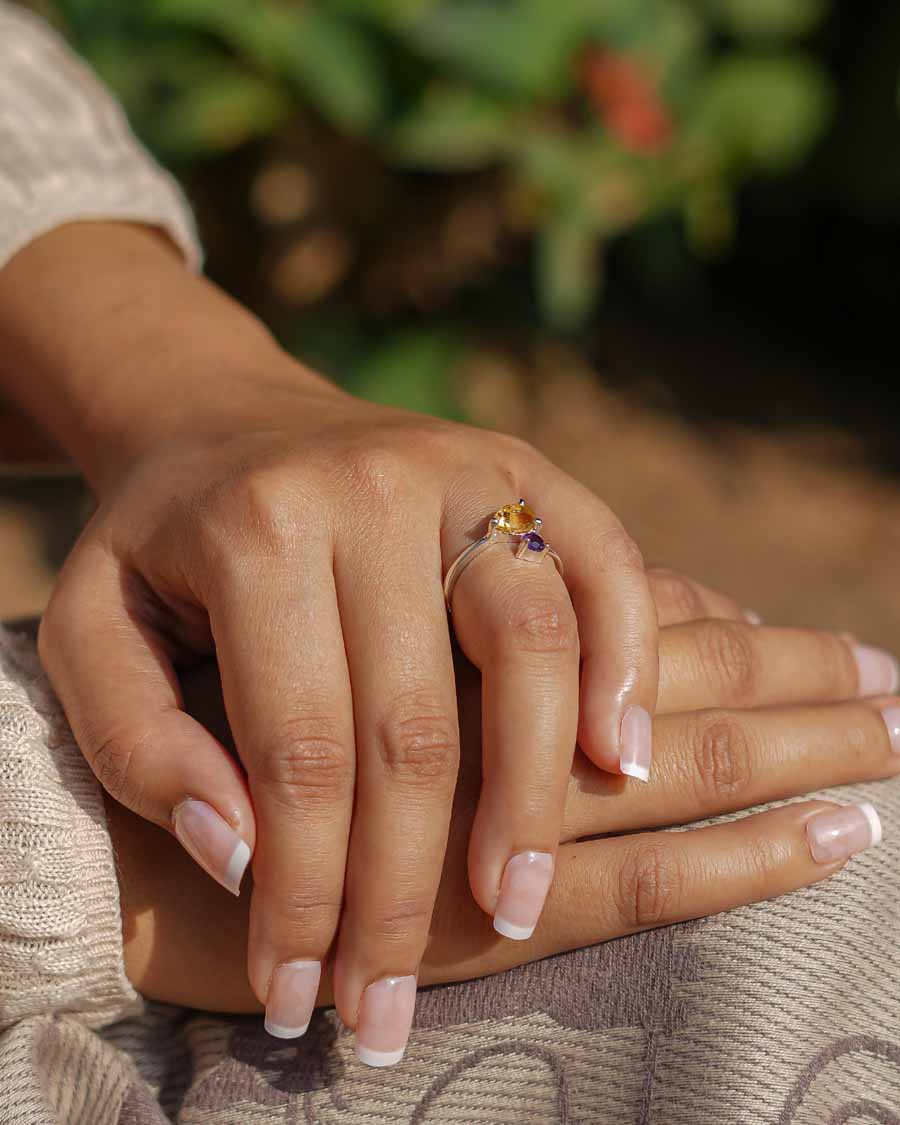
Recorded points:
414,370
765,111
453,127
329,57
522,47
568,266
769,19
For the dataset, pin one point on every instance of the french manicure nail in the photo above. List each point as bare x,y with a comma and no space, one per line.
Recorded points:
291,998
753,617
385,1019
636,742
879,673
891,716
212,842
523,889
840,833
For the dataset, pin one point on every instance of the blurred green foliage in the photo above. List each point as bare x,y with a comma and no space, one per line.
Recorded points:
599,115
358,165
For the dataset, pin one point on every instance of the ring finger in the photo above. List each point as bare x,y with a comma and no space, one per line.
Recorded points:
514,620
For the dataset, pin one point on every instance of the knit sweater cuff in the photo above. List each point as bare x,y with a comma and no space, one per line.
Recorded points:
67,153
61,946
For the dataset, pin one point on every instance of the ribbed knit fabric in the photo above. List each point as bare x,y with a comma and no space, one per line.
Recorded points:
66,150
60,926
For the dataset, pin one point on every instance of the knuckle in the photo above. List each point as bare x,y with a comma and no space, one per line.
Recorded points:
418,741
722,753
616,550
260,505
676,595
307,759
404,922
374,474
728,653
650,885
542,625
112,759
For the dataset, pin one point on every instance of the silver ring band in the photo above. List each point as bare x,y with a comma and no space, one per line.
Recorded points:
509,524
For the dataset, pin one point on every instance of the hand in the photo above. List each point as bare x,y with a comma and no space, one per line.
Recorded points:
746,715
249,508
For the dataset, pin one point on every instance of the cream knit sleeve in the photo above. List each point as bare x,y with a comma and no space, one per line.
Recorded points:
66,151
60,922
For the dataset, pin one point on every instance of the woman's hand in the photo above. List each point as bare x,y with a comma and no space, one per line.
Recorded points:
746,716
249,508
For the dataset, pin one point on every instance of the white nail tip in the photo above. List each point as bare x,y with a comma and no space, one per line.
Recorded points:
237,865
281,1032
642,773
509,930
868,811
379,1058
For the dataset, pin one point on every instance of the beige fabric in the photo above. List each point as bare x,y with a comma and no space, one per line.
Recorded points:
66,151
782,1013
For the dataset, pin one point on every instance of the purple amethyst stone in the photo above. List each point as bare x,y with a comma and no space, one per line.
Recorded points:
534,541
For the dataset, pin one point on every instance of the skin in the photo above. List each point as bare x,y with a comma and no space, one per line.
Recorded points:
774,718
247,506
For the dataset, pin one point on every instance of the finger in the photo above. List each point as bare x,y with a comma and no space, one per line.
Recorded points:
624,884
515,622
617,627
401,671
731,664
718,761
679,598
287,695
111,666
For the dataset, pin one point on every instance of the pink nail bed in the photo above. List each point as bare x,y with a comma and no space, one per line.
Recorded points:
636,743
879,673
840,833
292,998
211,842
385,1019
523,889
753,617
891,716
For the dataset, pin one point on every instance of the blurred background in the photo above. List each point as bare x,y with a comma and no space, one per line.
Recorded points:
659,238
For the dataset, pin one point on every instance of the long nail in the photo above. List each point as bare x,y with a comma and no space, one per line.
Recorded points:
636,742
523,889
879,673
211,841
292,998
891,716
840,833
385,1019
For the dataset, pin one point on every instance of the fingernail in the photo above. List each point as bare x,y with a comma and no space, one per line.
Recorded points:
385,1018
523,889
753,617
878,671
841,833
891,716
292,998
212,842
636,741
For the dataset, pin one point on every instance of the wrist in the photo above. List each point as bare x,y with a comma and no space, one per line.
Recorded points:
112,345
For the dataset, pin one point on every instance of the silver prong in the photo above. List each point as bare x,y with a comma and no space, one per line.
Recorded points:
521,502
538,522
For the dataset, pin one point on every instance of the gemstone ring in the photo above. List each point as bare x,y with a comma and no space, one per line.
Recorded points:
511,523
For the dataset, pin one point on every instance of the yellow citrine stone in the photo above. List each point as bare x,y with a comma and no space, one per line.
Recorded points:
514,519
